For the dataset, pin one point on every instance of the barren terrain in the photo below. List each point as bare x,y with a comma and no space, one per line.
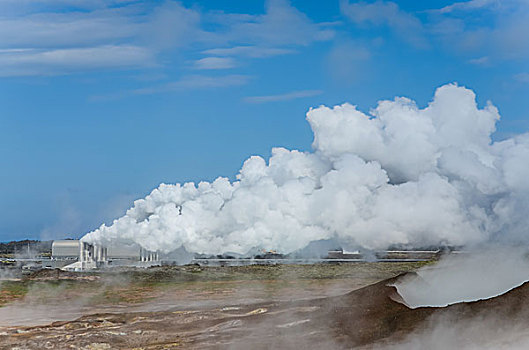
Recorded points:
258,307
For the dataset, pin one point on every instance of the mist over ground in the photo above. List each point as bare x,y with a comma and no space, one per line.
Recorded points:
398,175
481,274
491,281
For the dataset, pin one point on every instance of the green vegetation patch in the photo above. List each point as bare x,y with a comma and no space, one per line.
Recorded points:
12,290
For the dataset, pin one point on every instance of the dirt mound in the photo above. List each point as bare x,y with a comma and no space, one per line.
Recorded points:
377,315
370,314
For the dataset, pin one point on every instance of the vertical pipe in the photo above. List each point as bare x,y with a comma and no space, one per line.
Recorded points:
81,254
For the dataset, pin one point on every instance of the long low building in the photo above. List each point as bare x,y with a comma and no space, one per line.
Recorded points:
77,255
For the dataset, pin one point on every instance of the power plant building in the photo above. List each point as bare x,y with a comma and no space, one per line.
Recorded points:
65,249
78,255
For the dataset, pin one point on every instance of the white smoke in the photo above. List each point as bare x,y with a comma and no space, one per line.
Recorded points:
478,275
401,175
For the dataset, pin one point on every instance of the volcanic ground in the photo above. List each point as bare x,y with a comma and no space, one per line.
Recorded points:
267,307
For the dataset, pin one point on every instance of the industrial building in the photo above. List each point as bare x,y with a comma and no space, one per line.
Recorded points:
65,249
76,255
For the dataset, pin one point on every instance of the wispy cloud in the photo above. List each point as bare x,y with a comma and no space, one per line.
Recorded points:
406,25
249,51
195,82
62,61
283,97
214,63
56,37
522,77
347,62
468,5
57,32
186,83
480,61
497,29
281,24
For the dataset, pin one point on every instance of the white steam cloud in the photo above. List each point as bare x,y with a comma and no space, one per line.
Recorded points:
478,275
401,175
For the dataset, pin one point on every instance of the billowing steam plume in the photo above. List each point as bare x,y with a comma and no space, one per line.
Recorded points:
401,175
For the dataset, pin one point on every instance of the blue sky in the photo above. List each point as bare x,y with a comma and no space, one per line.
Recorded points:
101,101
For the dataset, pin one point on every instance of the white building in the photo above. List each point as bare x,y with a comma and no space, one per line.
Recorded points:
78,255
65,249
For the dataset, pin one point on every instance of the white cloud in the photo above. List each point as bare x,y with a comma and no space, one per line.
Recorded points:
214,63
283,97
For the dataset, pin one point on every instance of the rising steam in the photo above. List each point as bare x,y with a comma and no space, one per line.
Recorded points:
482,274
401,175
